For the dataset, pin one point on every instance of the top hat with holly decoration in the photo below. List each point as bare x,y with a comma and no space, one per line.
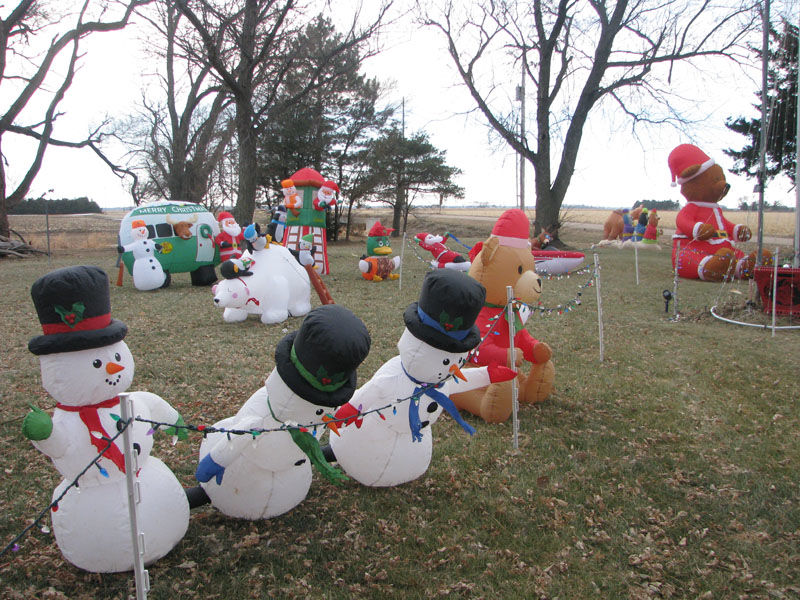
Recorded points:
318,361
74,308
445,314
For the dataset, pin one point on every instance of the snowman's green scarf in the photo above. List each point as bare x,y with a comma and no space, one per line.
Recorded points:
310,447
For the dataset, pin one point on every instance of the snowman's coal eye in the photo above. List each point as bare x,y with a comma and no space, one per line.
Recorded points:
319,411
462,361
97,363
446,361
117,357
519,269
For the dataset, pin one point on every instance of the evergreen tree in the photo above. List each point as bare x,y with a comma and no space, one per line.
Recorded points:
781,150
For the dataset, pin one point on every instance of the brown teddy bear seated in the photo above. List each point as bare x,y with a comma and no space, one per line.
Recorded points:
705,237
505,259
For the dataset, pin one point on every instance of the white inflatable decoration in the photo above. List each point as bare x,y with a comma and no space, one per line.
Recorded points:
85,365
393,446
266,474
148,274
274,285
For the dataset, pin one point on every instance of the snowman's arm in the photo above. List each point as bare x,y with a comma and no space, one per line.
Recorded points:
225,451
160,409
477,378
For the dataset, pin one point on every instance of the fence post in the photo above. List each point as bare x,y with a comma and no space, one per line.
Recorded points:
402,263
514,390
774,288
141,575
599,304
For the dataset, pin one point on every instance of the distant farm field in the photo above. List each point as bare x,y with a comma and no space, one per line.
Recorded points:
97,231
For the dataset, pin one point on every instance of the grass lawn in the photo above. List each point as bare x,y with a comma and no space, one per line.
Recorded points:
668,470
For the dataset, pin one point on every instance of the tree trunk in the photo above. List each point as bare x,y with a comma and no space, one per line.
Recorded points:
248,168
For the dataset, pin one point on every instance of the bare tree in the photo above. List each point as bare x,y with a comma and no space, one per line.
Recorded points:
178,139
577,55
253,58
26,75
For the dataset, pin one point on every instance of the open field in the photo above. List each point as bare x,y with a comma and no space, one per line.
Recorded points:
666,470
97,231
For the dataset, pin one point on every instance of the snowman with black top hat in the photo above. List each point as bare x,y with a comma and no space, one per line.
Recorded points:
267,472
85,365
390,446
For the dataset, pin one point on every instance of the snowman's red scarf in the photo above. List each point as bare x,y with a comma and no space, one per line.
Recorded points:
91,419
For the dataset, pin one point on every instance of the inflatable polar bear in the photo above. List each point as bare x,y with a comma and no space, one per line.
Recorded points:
268,282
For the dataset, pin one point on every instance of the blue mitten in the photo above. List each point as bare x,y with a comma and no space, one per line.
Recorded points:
208,469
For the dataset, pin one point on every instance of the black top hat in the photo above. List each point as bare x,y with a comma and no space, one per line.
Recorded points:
445,314
74,308
318,362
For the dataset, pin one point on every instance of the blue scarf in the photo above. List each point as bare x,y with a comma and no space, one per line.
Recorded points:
432,390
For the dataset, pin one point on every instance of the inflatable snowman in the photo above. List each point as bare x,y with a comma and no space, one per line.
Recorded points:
85,365
394,445
266,474
148,274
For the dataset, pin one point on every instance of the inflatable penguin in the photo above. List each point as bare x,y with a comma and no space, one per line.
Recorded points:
266,474
394,445
85,365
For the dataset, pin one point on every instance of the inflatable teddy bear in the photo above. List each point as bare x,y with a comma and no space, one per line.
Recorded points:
705,237
502,260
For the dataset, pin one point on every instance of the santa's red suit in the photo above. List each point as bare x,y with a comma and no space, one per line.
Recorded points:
230,246
695,253
492,322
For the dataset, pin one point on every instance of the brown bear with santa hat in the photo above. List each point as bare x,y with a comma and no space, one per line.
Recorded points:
705,237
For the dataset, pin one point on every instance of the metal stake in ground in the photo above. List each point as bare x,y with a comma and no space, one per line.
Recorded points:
599,304
512,365
141,575
675,279
402,263
774,288
636,261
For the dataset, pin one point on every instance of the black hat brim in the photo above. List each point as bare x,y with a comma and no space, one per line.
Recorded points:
438,339
300,386
72,341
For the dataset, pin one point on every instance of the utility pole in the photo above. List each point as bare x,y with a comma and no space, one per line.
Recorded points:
762,163
521,99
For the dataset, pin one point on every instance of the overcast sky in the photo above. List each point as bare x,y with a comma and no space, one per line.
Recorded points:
613,168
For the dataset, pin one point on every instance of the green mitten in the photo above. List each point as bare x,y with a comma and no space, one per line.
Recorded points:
37,425
179,429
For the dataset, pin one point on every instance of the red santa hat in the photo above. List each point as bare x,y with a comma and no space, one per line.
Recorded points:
331,185
685,156
378,230
513,229
224,215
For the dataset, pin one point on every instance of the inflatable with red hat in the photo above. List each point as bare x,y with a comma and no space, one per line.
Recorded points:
308,202
378,263
443,257
505,259
393,446
230,239
159,239
707,240
85,366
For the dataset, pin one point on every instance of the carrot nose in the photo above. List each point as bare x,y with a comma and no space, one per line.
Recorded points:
454,370
331,424
112,368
